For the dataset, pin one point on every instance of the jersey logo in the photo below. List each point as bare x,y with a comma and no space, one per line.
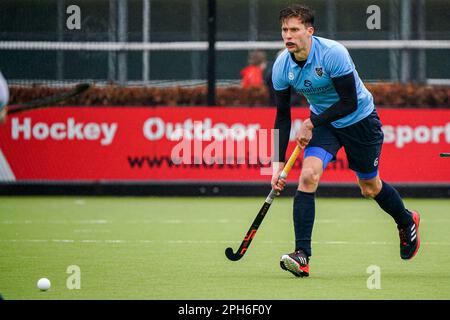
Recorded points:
291,76
307,83
319,71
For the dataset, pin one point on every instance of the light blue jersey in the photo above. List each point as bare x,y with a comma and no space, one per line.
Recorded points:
327,59
4,93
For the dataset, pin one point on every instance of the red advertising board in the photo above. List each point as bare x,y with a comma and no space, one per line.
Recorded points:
198,144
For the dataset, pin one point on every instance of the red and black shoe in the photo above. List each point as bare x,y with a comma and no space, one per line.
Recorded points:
409,238
296,263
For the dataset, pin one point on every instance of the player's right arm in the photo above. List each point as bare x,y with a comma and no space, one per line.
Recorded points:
283,128
282,124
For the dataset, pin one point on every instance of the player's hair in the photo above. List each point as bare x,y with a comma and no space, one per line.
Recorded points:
305,14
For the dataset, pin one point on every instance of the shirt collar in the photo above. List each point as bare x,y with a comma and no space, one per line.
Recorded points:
310,55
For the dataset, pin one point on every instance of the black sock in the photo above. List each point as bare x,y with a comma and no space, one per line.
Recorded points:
389,200
304,213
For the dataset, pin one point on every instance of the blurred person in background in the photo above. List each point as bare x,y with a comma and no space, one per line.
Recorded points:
4,96
253,74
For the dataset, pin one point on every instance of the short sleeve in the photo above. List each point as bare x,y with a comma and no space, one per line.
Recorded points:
337,62
279,80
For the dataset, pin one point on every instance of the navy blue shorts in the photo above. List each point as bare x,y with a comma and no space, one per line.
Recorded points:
362,142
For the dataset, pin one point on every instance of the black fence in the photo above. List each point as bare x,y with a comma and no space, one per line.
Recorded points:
201,189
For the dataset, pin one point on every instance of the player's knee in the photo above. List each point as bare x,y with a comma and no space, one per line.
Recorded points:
369,191
309,178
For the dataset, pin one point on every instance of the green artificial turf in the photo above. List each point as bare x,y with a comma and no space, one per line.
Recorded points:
173,248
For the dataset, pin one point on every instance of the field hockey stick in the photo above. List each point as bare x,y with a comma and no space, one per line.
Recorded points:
262,212
47,102
445,155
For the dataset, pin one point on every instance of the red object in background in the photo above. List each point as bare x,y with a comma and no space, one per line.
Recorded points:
252,76
136,144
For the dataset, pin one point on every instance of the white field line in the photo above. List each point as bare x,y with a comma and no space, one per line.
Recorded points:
187,242
90,231
201,221
54,222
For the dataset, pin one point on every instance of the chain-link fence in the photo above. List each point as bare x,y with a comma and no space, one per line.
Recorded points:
147,22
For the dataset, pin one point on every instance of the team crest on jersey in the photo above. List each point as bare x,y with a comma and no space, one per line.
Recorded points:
291,76
319,71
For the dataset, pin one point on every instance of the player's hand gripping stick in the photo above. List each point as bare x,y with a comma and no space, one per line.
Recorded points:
262,212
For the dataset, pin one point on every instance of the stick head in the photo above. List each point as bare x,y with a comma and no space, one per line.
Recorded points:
50,101
231,255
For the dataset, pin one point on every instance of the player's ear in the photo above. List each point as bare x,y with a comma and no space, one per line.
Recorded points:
310,30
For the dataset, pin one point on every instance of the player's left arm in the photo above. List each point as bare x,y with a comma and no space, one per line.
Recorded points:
345,87
339,66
